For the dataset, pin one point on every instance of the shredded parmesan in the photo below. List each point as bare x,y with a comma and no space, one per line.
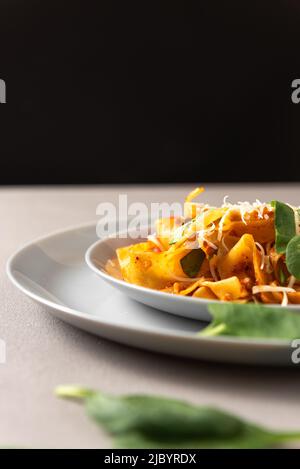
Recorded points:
270,288
221,223
212,245
297,217
245,209
224,244
262,252
292,280
225,200
156,241
207,231
285,299
297,220
269,268
213,272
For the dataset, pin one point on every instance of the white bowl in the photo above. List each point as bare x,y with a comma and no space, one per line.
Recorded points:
103,250
186,306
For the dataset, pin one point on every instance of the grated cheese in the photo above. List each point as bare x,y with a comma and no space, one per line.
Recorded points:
212,245
262,252
292,280
224,244
285,299
269,268
221,223
213,272
270,289
245,208
297,220
201,235
156,241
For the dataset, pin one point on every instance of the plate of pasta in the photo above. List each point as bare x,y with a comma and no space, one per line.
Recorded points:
53,271
236,253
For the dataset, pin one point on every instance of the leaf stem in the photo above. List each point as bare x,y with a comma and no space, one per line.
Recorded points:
210,331
72,392
287,436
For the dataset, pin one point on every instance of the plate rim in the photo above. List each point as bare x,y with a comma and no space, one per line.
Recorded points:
182,336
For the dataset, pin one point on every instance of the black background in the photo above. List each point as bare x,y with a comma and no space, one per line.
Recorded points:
108,92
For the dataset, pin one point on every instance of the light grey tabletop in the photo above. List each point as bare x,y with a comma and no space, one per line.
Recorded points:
43,352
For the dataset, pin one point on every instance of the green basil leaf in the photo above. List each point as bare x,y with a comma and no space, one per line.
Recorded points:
285,227
142,421
192,262
293,257
252,320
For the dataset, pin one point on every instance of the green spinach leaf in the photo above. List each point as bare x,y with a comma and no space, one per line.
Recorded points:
285,227
141,421
293,256
252,320
192,262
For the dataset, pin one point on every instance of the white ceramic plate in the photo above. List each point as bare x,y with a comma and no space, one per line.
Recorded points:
53,272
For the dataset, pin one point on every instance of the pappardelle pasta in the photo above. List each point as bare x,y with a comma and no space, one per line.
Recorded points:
236,252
